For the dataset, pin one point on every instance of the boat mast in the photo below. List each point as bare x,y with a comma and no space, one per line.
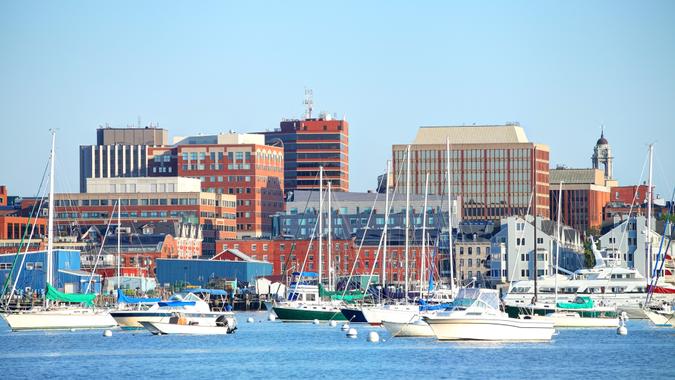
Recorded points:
50,220
331,275
424,234
557,246
407,223
119,253
386,225
320,223
447,157
534,197
648,256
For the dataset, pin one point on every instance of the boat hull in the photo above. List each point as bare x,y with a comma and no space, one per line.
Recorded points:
417,329
308,313
575,320
516,311
132,319
159,328
661,319
59,320
490,329
354,315
375,315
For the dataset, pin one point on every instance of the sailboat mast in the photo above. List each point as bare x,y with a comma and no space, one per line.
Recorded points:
534,198
407,222
320,224
648,256
386,225
447,157
331,275
50,220
557,246
424,234
119,253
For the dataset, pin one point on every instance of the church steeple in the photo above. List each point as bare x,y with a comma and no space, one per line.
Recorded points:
602,154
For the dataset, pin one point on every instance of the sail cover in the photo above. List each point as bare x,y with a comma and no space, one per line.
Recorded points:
348,296
122,298
55,295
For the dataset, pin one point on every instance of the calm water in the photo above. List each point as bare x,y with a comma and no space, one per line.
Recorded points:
300,351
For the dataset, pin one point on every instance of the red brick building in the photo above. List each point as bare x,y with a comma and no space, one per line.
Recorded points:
584,196
629,194
15,223
309,144
235,164
288,256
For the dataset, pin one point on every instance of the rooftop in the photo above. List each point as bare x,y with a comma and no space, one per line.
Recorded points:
576,176
473,134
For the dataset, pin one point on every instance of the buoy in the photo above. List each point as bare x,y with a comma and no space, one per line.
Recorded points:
332,323
73,330
271,317
373,337
622,330
345,326
352,333
250,320
107,333
316,322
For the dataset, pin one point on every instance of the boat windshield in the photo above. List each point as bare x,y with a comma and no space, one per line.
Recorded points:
477,298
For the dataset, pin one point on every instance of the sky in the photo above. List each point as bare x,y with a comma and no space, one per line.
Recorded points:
562,69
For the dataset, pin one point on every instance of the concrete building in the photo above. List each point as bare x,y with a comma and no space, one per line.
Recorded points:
309,144
231,163
214,213
494,169
584,195
119,152
471,251
625,240
512,248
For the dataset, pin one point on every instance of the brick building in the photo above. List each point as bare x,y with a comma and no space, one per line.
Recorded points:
494,169
309,144
584,195
16,223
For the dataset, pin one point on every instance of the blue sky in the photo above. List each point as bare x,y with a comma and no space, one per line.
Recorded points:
560,68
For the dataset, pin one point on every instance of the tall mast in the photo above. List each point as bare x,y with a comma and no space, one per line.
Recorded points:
50,220
447,157
557,246
320,223
424,234
534,197
407,222
119,253
331,275
648,256
386,225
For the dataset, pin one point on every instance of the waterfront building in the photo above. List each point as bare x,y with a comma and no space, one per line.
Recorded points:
172,272
494,169
513,246
311,143
231,163
16,224
160,199
471,252
584,195
119,152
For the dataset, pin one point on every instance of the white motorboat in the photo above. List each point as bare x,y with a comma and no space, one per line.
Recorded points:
417,328
661,316
573,319
398,313
179,324
191,306
476,316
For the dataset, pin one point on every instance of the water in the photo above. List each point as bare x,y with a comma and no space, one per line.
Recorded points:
301,351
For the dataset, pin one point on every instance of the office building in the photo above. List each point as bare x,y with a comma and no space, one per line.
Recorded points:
584,195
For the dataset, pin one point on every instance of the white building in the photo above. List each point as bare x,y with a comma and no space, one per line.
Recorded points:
143,185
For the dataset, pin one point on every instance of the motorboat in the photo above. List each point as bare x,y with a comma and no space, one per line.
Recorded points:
179,324
476,316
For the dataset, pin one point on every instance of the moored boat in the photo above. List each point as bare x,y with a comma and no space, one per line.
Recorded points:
179,324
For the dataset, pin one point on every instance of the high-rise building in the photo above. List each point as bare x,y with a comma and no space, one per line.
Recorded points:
584,195
309,144
119,152
494,169
235,164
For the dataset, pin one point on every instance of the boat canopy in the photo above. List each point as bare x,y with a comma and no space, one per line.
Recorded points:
578,303
476,297
306,274
122,298
55,295
217,292
176,303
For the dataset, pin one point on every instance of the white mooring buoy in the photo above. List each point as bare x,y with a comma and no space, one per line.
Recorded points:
250,320
622,330
107,333
73,330
345,326
352,333
373,337
316,321
332,323
272,317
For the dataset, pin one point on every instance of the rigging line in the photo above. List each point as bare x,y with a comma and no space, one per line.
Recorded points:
304,261
98,256
522,235
630,210
657,272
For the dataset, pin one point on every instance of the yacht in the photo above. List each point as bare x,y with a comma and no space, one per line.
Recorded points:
179,324
305,304
476,316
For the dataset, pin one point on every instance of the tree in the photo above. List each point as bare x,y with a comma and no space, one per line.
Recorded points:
589,258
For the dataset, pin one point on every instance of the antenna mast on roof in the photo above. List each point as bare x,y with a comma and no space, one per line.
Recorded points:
309,103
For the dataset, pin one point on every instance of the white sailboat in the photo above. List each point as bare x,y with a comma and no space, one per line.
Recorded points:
50,316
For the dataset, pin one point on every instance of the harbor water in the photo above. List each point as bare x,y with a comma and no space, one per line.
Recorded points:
272,350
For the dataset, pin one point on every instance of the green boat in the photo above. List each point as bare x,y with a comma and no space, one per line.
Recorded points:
584,306
306,304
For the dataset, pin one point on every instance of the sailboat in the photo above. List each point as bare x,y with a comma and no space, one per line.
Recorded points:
53,316
306,299
582,312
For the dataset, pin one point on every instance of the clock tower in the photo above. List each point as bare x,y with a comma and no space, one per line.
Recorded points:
602,155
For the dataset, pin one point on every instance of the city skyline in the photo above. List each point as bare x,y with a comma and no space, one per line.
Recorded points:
226,67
